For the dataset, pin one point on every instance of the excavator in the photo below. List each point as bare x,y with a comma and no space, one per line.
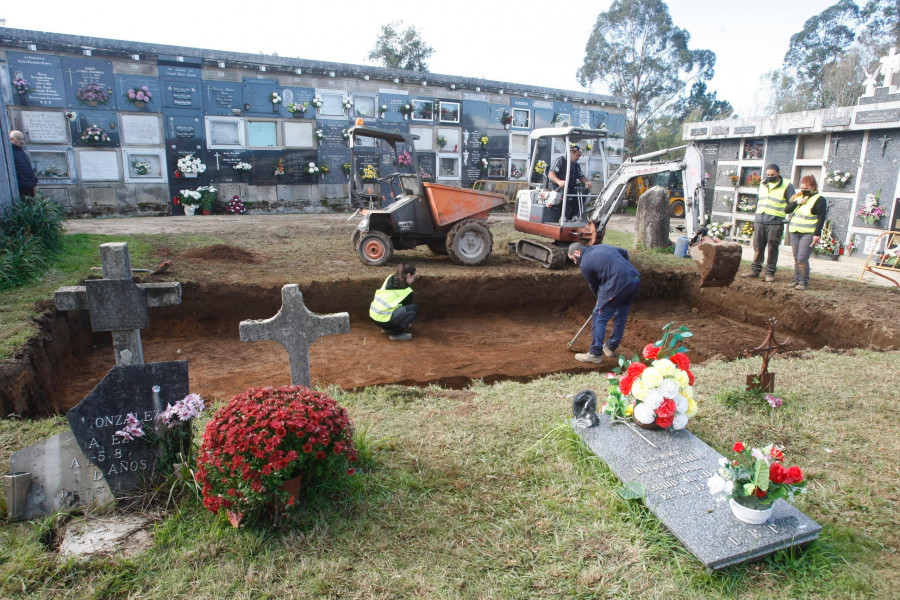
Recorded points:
541,211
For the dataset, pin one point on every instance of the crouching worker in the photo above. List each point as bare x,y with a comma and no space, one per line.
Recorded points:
392,308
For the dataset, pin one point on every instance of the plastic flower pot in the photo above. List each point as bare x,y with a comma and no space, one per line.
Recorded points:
750,515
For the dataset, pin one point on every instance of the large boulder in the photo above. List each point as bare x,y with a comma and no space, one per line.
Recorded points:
651,228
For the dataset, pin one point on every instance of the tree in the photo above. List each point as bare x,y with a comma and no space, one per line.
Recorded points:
664,129
636,50
401,49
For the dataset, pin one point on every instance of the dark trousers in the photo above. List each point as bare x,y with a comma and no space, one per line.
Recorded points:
26,191
766,237
400,319
617,308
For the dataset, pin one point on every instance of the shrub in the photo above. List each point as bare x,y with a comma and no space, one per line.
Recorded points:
31,232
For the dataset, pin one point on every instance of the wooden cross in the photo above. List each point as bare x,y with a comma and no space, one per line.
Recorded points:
295,328
117,304
836,142
768,348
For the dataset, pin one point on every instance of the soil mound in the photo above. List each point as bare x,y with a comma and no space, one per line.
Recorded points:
224,253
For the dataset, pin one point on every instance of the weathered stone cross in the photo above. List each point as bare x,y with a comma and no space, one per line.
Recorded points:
117,304
295,328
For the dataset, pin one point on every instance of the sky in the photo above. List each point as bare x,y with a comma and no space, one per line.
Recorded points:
518,42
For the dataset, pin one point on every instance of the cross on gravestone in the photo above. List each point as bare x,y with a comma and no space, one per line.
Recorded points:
890,64
836,142
884,142
765,381
117,304
295,328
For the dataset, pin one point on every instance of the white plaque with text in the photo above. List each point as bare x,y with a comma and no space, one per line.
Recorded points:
98,165
45,127
141,130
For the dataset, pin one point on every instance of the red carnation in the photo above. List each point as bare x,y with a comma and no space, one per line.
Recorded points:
777,473
795,474
650,352
681,361
625,385
666,410
690,378
635,369
777,454
738,447
665,422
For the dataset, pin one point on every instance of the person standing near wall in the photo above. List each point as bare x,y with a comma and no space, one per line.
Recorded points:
809,210
24,171
768,229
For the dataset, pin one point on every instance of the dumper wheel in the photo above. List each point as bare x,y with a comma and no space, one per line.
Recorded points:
677,209
469,242
354,239
438,248
374,248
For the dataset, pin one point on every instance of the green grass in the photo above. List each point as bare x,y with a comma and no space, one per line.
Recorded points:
492,495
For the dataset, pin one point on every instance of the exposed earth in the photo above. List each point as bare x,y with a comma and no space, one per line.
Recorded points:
504,319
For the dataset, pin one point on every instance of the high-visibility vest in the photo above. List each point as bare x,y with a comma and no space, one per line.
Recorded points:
772,201
803,221
387,301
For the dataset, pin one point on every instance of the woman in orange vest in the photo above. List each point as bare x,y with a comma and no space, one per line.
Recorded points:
809,210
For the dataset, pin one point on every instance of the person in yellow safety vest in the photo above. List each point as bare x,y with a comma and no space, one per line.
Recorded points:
768,227
392,308
808,210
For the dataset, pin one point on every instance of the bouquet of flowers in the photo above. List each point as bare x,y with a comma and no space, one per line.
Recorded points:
298,107
425,175
827,243
190,164
22,86
243,167
320,133
190,196
347,168
279,167
325,168
757,477
369,173
515,172
746,204
754,179
94,135
139,95
719,230
747,229
485,162
93,94
404,158
540,167
441,142
236,206
506,118
347,102
406,110
346,135
656,387
312,169
733,177
871,212
316,102
262,438
838,178
484,140
275,98
382,109
141,167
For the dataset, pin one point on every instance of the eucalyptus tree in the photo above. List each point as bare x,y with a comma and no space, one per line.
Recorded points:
399,48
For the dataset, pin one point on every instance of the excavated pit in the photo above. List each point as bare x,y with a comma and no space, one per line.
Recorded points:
488,328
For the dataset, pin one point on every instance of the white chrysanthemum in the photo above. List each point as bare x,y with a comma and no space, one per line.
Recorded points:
665,367
681,404
715,484
669,388
654,398
680,421
638,389
681,378
651,377
723,461
644,414
729,487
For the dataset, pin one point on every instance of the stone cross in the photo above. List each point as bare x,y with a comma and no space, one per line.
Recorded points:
295,328
890,64
117,304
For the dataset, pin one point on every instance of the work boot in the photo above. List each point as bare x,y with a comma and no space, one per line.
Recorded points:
607,351
587,357
792,284
750,275
801,287
770,278
402,337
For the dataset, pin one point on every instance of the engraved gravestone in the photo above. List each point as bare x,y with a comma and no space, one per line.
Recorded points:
222,98
89,82
43,74
673,468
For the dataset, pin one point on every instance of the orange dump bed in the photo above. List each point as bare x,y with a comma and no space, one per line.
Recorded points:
451,204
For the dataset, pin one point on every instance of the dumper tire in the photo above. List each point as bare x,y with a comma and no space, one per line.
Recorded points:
677,209
374,248
354,239
438,248
469,242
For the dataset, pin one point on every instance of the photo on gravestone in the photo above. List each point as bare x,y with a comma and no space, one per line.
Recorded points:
89,83
43,79
521,118
128,465
94,129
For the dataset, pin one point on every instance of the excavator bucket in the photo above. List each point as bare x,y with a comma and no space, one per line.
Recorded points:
718,261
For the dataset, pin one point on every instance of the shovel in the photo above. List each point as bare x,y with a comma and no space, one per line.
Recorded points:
583,327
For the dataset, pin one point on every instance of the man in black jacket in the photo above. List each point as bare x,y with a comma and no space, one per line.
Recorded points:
24,171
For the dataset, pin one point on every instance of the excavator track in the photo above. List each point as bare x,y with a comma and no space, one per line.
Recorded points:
548,256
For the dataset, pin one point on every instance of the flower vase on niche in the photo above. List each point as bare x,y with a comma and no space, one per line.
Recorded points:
189,209
139,104
190,175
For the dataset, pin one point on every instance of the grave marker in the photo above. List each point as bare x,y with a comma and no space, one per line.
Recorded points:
295,328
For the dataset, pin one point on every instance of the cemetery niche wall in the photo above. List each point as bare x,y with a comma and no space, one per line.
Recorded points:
106,122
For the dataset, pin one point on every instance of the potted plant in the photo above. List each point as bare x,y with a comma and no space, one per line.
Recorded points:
405,110
871,212
190,199
236,206
266,437
139,96
141,167
189,166
207,199
95,136
93,94
755,480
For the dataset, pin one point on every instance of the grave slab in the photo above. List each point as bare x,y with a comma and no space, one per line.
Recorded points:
673,467
61,477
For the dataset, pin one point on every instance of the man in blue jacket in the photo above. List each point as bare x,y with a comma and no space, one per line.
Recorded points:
615,283
24,171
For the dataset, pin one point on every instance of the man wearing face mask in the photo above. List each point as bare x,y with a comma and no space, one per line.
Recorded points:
768,228
808,218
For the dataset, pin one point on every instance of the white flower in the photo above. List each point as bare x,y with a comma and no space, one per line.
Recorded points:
680,421
638,389
651,377
644,414
723,461
716,484
758,454
654,398
669,388
682,379
681,404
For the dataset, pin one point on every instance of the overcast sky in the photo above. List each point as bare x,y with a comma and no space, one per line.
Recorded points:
519,42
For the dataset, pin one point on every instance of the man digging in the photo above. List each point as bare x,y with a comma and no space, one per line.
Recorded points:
615,283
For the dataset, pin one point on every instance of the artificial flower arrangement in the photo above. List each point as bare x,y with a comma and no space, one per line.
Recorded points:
719,230
347,102
325,168
22,86
264,437
654,388
207,196
382,109
190,164
94,135
588,147
369,173
93,94
236,206
312,168
320,133
838,178
425,175
404,158
484,140
274,98
515,172
733,177
190,197
141,167
506,118
346,135
172,432
405,110
757,477
139,96
485,163
746,204
243,167
279,167
753,179
871,212
747,229
298,108
441,142
540,167
347,168
316,102
827,243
